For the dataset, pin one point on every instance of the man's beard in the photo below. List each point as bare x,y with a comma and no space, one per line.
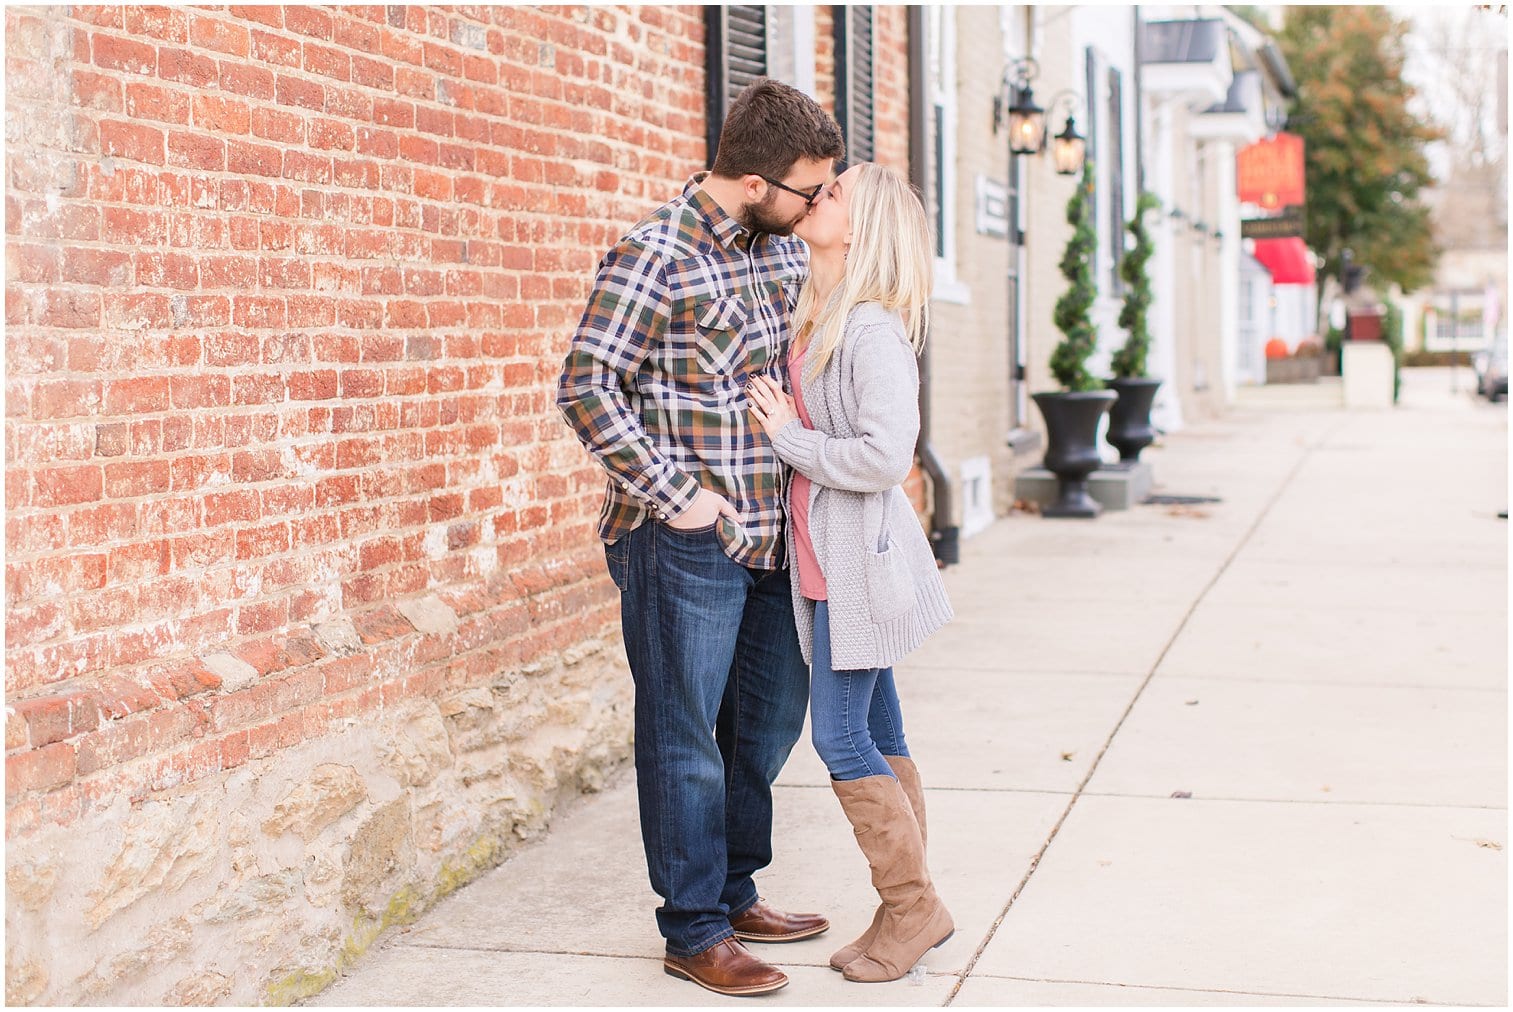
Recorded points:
760,217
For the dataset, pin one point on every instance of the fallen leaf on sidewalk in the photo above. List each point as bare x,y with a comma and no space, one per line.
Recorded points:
1192,702
1182,794
1188,511
1484,844
1066,757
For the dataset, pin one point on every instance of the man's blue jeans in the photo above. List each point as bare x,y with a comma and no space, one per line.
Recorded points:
721,690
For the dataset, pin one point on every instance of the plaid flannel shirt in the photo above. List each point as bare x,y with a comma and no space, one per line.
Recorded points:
685,309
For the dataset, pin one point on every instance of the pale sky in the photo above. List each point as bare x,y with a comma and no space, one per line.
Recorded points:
1441,77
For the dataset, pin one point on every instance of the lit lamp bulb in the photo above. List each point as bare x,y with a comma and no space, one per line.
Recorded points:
1069,150
1026,123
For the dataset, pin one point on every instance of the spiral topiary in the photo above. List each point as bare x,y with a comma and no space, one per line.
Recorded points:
1073,315
1129,361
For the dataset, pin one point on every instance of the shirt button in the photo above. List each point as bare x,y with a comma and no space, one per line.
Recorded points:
661,516
625,484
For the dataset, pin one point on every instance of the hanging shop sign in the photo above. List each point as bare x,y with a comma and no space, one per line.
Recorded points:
1282,226
1269,172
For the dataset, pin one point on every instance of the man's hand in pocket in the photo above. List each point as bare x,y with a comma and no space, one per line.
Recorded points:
704,512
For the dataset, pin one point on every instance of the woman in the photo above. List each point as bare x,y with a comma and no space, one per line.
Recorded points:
868,590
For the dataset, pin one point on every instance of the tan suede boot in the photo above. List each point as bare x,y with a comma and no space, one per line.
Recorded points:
914,918
908,778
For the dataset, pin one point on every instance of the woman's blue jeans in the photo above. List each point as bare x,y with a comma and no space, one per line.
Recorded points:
854,715
721,690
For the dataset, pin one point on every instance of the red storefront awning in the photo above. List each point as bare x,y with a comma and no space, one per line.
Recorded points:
1288,260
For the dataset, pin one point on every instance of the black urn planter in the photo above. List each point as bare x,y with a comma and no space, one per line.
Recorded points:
1071,453
1129,422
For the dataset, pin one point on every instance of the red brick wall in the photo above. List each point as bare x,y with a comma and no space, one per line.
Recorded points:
287,291
891,85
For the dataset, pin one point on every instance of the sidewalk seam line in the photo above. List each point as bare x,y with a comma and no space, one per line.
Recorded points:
1334,802
1134,796
1267,680
1229,990
1229,560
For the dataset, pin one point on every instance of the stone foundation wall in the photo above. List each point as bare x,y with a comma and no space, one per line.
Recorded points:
259,885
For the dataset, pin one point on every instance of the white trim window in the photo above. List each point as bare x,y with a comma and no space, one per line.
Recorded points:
977,495
941,31
1105,148
790,30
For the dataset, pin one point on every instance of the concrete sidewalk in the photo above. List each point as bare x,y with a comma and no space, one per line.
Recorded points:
1319,660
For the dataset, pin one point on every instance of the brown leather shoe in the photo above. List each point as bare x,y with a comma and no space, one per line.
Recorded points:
726,967
761,923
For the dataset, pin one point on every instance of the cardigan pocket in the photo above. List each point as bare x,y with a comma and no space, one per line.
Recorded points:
890,584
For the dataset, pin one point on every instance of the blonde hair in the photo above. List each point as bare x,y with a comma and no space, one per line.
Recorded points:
889,263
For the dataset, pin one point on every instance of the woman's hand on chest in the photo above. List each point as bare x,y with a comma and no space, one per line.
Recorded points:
771,405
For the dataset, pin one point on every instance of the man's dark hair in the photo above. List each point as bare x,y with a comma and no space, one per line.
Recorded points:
772,125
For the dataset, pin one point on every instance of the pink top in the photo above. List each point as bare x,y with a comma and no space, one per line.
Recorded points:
811,578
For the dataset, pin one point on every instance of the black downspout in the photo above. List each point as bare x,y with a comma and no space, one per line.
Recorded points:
1139,109
945,537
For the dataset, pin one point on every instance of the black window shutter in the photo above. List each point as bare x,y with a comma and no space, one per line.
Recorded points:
853,81
735,48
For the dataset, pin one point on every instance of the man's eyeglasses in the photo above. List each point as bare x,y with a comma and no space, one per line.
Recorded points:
810,196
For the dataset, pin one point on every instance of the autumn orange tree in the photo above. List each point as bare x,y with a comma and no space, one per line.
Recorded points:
1364,148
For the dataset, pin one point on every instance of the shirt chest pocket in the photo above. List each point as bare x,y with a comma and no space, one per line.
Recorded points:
719,340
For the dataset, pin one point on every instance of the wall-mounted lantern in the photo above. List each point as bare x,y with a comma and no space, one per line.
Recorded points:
1069,149
1026,120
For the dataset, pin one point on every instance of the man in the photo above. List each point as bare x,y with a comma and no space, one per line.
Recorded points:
685,309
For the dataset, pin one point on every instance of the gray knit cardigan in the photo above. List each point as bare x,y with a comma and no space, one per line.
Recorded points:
885,593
